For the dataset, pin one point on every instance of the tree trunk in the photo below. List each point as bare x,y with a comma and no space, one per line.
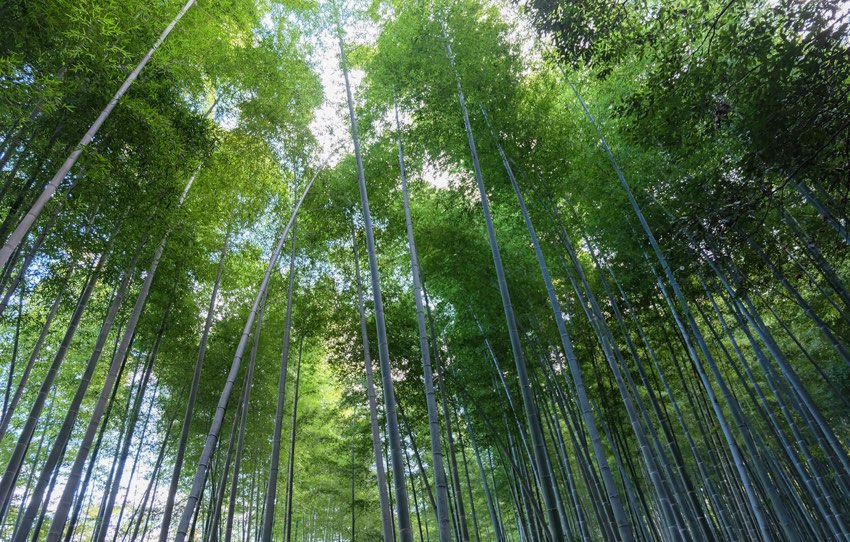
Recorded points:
217,497
13,468
246,403
33,251
36,350
78,505
150,491
756,507
134,417
15,344
67,498
494,520
36,459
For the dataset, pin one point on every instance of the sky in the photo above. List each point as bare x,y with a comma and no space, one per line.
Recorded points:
331,124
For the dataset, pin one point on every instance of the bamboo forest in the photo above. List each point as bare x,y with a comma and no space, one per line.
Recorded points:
424,270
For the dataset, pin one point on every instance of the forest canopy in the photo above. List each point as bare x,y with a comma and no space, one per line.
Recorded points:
409,270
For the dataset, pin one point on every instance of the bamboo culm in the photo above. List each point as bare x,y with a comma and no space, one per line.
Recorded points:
271,488
430,397
405,530
26,223
386,510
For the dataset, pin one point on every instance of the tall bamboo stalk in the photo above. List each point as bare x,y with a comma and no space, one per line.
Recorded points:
386,509
26,223
271,491
402,503
443,527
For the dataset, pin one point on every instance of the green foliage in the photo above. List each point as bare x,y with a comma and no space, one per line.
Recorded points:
720,114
